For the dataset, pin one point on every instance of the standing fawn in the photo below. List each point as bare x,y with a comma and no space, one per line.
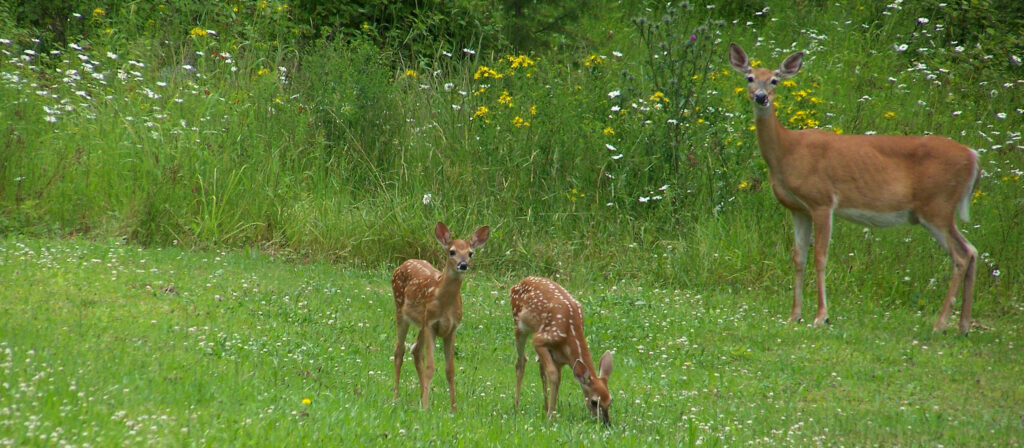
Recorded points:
877,180
543,308
432,300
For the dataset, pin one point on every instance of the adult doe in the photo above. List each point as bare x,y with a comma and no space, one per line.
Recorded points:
544,309
432,300
877,180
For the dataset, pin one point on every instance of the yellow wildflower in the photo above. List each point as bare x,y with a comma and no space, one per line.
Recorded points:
481,111
659,97
890,114
837,130
744,185
608,131
738,90
262,72
593,60
485,72
520,122
410,73
533,110
788,83
521,61
505,98
755,62
98,12
365,26
977,195
306,401
197,32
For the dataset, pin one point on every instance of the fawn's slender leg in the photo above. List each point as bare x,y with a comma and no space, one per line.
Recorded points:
449,365
549,370
427,373
403,330
520,361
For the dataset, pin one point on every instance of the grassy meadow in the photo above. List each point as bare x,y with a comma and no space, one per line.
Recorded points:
108,344
201,206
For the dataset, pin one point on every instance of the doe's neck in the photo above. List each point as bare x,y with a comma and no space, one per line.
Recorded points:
770,135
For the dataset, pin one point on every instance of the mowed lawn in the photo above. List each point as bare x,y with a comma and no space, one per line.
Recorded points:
103,344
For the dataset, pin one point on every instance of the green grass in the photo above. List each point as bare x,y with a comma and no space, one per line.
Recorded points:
110,344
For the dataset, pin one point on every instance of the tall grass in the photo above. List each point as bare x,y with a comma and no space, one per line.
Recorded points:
628,158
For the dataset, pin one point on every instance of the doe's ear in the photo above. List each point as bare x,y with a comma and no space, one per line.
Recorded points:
738,59
604,367
443,235
480,237
791,65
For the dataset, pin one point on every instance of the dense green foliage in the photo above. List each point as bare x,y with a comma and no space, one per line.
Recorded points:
624,153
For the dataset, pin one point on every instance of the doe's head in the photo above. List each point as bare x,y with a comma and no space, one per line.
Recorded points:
595,390
761,82
460,252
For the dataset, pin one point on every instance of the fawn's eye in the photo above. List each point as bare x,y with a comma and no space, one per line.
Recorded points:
451,252
775,81
750,79
470,254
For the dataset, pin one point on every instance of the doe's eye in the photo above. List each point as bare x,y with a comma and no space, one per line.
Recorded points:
451,252
750,79
470,254
775,81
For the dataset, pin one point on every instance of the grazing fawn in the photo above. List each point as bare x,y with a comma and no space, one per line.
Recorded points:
432,300
543,308
876,180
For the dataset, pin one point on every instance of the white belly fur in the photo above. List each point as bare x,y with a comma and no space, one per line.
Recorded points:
878,219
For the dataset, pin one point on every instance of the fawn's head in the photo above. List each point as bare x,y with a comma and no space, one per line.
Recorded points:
460,252
761,82
595,390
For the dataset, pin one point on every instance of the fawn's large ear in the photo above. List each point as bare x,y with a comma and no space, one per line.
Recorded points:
443,235
791,65
579,370
480,237
738,59
604,367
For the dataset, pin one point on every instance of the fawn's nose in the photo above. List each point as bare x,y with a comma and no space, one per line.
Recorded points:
462,266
